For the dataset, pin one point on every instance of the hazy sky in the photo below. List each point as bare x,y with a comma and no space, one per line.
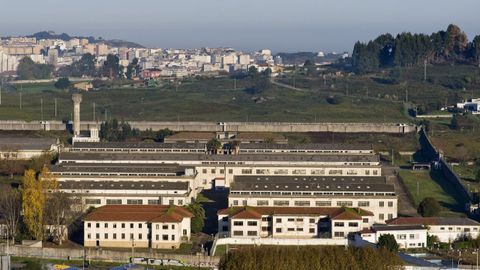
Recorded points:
294,25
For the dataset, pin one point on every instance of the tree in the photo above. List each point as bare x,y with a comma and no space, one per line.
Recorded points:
61,211
432,240
162,134
388,242
29,70
477,176
33,202
133,69
111,67
10,209
63,83
198,220
429,207
213,145
113,131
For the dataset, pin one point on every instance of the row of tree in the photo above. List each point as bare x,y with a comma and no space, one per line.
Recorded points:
38,209
309,257
114,131
111,68
407,49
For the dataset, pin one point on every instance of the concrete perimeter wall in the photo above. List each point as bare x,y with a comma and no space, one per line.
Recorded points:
106,255
228,126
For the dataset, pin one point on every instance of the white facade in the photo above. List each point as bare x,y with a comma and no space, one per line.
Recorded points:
405,236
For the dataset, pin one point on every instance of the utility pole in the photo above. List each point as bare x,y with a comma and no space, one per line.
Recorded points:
425,70
20,93
56,112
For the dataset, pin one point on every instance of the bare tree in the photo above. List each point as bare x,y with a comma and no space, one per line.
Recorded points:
61,211
10,209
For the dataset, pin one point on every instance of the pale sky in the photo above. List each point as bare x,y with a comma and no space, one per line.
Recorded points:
294,25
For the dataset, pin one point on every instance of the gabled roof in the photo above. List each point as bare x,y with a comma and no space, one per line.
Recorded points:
139,213
332,212
453,221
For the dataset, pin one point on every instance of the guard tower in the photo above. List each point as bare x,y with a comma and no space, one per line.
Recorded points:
77,99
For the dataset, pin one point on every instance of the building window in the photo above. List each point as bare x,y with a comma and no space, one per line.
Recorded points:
123,236
170,202
339,234
184,232
252,233
266,219
165,237
281,203
225,219
235,202
238,233
302,203
246,171
131,236
204,171
157,237
106,236
173,226
165,227
278,230
279,220
353,224
401,236
291,229
89,225
131,225
412,236
345,203
140,236
291,220
238,223
97,236
212,171
338,224
89,236
381,204
140,225
123,225
106,225
323,203
114,201
173,237
225,228
262,202
134,202
114,225
252,223
97,225
180,202
230,171
153,202
299,229
390,216
299,220
365,220
390,204
363,204
114,236
381,217
312,220
311,230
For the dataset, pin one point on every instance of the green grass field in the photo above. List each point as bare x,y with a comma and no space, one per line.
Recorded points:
422,184
197,100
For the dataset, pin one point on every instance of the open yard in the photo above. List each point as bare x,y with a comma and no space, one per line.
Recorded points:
422,184
198,100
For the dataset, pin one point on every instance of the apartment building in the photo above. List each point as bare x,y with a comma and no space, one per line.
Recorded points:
369,193
137,226
219,170
105,184
292,222
447,229
406,236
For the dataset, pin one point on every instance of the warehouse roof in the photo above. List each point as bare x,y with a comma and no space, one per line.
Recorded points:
219,158
19,143
339,213
139,145
139,213
306,146
454,221
124,185
310,179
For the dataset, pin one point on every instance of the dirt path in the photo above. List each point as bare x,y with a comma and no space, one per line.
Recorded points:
405,205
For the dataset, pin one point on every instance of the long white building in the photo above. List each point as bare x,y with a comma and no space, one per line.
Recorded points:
369,193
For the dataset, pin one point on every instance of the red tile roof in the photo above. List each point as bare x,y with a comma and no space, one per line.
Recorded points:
257,212
433,221
145,213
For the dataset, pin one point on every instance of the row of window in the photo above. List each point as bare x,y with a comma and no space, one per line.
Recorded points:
317,203
130,201
131,225
165,237
296,172
129,150
309,193
344,224
475,229
304,151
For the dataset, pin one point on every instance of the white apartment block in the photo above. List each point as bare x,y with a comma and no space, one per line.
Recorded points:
292,222
406,236
369,193
137,226
446,229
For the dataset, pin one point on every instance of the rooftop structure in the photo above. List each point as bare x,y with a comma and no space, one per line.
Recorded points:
27,148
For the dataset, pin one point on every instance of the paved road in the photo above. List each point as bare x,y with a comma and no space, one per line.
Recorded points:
405,206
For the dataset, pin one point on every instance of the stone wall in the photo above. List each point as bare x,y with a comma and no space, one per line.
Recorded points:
227,126
95,254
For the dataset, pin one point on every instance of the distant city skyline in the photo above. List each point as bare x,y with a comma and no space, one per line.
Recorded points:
302,25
